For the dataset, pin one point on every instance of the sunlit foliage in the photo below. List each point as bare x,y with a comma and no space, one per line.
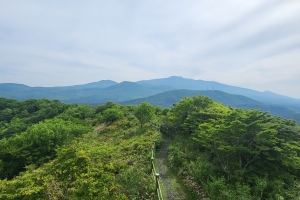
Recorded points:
236,153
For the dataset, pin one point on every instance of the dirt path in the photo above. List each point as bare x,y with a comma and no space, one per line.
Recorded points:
171,188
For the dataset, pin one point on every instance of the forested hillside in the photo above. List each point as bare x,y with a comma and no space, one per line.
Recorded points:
162,92
177,82
107,90
51,150
77,152
167,99
234,153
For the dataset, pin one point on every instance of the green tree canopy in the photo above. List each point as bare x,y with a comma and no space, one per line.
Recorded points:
144,113
112,114
236,153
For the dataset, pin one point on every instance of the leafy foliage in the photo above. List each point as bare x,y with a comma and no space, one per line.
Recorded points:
36,145
49,150
16,116
169,98
62,158
144,113
236,153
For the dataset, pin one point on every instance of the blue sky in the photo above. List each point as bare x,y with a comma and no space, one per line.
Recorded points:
253,44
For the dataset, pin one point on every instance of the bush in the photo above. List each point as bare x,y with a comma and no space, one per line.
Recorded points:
112,114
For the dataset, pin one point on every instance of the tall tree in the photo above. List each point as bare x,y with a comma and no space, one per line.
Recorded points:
144,113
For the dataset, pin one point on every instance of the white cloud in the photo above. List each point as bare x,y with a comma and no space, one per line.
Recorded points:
245,43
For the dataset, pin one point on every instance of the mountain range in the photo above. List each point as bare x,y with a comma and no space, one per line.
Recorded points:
161,92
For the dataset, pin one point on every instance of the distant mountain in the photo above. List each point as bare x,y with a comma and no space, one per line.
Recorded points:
177,82
167,99
99,84
93,93
118,92
297,118
10,87
128,88
107,90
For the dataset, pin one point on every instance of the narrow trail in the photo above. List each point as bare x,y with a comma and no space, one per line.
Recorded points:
172,188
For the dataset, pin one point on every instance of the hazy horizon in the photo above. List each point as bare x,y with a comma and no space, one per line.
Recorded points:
150,79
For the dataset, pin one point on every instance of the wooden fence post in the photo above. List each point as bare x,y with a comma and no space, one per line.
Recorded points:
156,180
151,164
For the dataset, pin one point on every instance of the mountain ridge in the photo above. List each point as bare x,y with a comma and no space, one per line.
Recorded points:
178,82
138,89
106,90
167,99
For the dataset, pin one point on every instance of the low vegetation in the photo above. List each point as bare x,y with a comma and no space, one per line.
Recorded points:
51,150
81,153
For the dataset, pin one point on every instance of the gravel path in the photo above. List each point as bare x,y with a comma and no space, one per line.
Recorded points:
172,189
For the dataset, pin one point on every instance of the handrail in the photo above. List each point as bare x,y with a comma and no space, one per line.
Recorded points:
155,174
153,171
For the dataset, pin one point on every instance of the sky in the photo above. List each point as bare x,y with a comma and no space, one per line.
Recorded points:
253,44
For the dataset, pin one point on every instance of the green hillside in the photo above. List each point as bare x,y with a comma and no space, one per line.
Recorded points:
107,90
177,82
80,152
234,153
167,99
162,92
52,150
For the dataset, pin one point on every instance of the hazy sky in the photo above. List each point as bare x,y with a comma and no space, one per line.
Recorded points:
253,44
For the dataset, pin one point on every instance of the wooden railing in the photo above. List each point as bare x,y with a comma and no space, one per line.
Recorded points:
155,174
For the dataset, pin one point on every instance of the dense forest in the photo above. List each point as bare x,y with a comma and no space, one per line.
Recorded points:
235,153
52,150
